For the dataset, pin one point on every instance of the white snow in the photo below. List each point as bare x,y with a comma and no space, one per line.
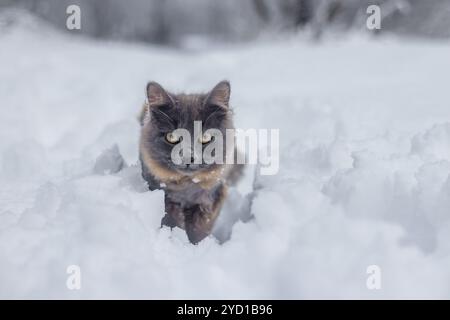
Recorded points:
364,171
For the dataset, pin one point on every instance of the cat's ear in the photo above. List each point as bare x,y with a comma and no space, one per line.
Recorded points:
156,95
220,94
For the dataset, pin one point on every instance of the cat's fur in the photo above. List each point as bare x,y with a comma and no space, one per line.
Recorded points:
193,194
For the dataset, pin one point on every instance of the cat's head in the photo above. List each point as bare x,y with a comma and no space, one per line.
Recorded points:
165,112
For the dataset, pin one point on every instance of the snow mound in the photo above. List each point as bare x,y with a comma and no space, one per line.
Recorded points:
110,161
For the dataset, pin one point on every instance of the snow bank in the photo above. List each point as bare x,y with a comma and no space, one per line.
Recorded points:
364,171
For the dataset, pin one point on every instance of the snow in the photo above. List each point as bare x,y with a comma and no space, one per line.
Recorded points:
364,173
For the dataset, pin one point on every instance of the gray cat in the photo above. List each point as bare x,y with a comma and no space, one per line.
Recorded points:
194,192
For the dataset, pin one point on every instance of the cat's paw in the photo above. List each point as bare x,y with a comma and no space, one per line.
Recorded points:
199,222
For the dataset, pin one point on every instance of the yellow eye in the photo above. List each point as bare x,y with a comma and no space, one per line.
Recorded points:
205,138
172,138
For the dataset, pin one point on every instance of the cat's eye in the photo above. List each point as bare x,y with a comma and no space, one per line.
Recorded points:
206,137
172,137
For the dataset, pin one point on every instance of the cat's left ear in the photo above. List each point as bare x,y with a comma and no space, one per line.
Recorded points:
220,94
156,95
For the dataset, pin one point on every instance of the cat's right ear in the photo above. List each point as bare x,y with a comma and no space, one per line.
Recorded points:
220,94
156,95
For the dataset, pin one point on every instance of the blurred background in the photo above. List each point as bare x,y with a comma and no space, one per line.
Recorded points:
178,23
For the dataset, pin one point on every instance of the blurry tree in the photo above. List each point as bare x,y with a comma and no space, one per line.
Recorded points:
176,21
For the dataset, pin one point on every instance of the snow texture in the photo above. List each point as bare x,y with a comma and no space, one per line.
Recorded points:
364,170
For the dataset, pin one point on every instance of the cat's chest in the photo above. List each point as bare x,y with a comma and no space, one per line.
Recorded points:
190,193
194,184
197,183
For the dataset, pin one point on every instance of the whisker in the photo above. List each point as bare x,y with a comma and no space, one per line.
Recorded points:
217,111
165,115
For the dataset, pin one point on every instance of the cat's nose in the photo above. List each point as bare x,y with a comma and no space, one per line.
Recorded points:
189,160
192,166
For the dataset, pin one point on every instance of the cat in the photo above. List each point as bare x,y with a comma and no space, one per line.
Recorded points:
193,192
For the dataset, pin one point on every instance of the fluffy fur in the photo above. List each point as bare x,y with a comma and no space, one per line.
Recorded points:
193,195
